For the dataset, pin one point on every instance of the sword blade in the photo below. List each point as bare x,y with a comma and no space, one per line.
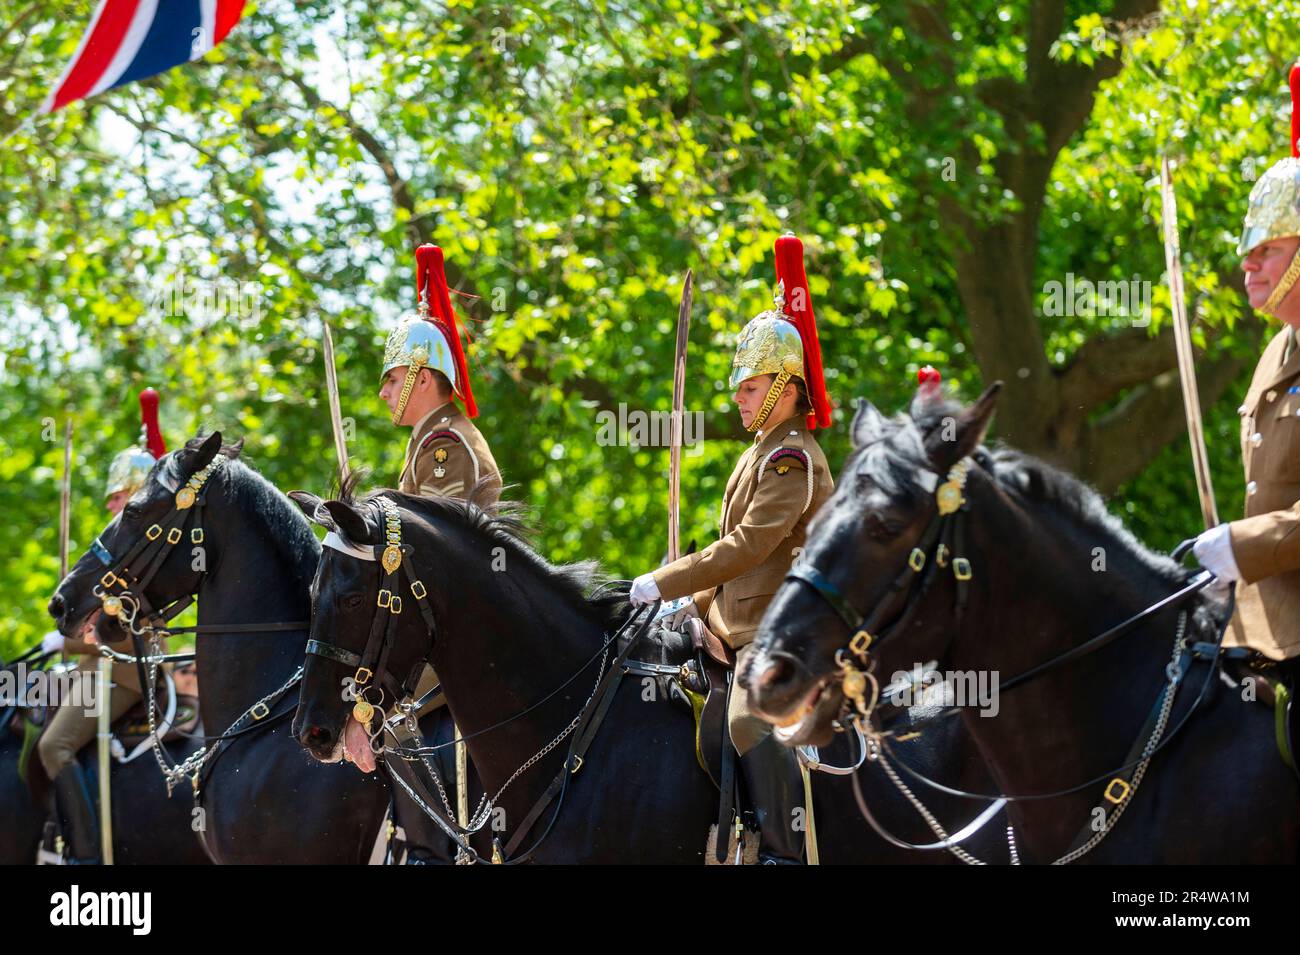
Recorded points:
1183,342
336,416
65,499
675,427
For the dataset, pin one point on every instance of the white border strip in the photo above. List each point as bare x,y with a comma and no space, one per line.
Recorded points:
333,540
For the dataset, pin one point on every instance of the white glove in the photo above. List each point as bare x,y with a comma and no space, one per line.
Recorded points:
52,642
644,591
1214,550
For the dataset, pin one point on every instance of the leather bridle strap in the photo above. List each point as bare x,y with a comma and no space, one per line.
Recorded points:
330,652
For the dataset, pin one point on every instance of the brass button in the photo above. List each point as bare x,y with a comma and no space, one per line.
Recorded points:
1252,487
1256,439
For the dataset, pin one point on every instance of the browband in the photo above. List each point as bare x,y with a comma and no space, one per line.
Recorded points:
332,539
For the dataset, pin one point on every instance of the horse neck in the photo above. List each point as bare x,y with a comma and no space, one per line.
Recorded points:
1045,593
500,651
257,578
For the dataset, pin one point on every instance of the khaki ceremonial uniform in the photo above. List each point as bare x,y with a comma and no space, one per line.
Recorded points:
778,485
72,727
447,456
1266,542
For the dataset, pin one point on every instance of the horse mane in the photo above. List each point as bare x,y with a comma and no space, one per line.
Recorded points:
505,523
254,494
894,462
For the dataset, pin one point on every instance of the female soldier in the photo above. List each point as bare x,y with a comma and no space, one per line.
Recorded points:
778,484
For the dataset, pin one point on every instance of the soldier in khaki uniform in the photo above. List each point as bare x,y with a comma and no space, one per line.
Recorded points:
1262,550
424,369
777,486
73,726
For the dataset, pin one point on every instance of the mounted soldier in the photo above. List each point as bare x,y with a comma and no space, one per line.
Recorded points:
778,484
424,371
1262,550
72,727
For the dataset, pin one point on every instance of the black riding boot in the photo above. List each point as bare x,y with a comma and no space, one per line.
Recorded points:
76,815
776,789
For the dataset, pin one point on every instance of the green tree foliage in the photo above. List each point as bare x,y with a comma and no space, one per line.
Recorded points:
944,163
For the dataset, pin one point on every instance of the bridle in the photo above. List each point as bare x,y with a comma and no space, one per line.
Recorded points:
122,595
372,664
869,630
393,558
151,552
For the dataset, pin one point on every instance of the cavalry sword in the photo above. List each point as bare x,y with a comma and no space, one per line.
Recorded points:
1183,341
336,416
676,421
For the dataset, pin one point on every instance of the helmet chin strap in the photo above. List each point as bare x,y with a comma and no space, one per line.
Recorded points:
769,402
412,372
1284,285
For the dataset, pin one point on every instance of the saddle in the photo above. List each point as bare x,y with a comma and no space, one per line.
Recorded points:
1274,686
695,667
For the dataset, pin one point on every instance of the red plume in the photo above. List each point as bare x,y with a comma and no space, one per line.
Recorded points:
929,375
1295,109
430,274
153,438
798,306
927,382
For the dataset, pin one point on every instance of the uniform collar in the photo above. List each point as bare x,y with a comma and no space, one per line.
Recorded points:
779,431
442,407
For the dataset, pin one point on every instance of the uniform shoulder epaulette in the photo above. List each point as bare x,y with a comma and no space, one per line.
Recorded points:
785,459
449,433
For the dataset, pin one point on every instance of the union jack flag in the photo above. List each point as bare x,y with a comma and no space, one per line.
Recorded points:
129,40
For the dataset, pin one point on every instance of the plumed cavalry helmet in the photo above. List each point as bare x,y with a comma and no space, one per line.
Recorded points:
130,467
1274,211
783,341
429,336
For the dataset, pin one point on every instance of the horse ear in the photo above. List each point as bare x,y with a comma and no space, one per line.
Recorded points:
310,504
205,452
349,521
954,438
868,422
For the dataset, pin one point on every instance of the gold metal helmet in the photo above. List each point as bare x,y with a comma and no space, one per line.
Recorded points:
1274,210
417,343
769,344
128,471
783,342
429,337
130,468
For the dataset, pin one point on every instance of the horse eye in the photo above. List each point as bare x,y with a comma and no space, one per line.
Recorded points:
131,512
880,527
352,601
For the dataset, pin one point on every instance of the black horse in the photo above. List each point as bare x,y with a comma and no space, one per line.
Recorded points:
517,645
140,806
21,833
1049,570
262,800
